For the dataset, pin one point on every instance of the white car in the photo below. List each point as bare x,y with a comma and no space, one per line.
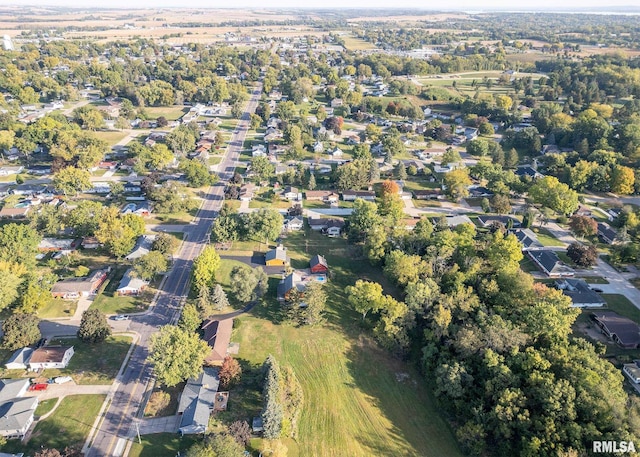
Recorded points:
62,379
121,317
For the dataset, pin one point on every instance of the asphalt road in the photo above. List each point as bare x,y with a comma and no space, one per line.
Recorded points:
116,426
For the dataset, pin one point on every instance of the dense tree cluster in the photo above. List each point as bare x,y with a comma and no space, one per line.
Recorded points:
283,401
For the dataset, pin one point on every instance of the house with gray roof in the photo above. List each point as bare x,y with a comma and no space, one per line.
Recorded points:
582,296
142,247
197,402
606,233
19,360
131,285
623,331
527,238
16,412
550,264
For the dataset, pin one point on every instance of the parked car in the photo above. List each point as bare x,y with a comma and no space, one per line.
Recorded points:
41,342
62,379
38,386
121,317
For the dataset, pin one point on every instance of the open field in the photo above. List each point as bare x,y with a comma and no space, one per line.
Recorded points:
171,113
58,308
93,363
357,44
359,401
68,426
112,137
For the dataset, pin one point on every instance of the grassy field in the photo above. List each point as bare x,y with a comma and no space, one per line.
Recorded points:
171,113
162,445
357,44
45,406
93,363
58,308
355,404
110,136
68,426
621,305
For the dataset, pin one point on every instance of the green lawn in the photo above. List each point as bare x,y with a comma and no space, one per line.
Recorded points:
162,445
68,426
93,363
595,280
56,307
621,305
354,403
546,238
171,113
45,406
109,303
112,137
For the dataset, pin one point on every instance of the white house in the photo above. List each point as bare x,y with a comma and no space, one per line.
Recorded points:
130,285
291,193
258,150
19,360
51,357
337,152
293,224
17,411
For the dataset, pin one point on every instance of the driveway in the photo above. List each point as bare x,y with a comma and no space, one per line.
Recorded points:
256,260
153,425
69,388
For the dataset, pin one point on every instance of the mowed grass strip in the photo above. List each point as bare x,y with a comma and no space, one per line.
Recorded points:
93,363
162,445
68,425
358,400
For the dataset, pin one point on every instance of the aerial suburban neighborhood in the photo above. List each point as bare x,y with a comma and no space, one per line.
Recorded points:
350,232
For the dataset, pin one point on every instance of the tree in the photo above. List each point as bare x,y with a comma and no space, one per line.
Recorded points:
197,173
48,453
205,267
583,225
457,184
450,156
20,330
400,171
165,243
583,256
176,354
9,283
553,194
94,327
262,168
219,298
240,431
118,237
311,185
230,372
404,268
622,180
265,224
150,265
504,253
312,303
190,319
35,292
248,284
363,219
364,296
501,204
19,244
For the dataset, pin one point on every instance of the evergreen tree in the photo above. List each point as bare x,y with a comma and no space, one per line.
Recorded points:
219,298
312,182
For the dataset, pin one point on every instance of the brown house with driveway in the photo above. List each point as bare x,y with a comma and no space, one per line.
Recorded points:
217,334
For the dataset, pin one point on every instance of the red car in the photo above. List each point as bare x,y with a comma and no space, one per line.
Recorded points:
39,386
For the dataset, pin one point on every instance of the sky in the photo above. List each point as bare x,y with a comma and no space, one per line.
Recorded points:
467,5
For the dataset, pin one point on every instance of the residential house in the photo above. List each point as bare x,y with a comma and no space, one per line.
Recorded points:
454,221
318,264
428,194
582,296
217,334
73,288
7,171
606,233
527,239
29,189
90,242
318,147
479,191
550,264
288,284
258,150
142,247
336,102
291,193
16,411
321,195
14,213
51,357
334,228
506,221
337,152
352,195
277,149
527,170
247,192
277,257
197,402
623,331
632,371
19,360
55,244
293,224
470,133
130,285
